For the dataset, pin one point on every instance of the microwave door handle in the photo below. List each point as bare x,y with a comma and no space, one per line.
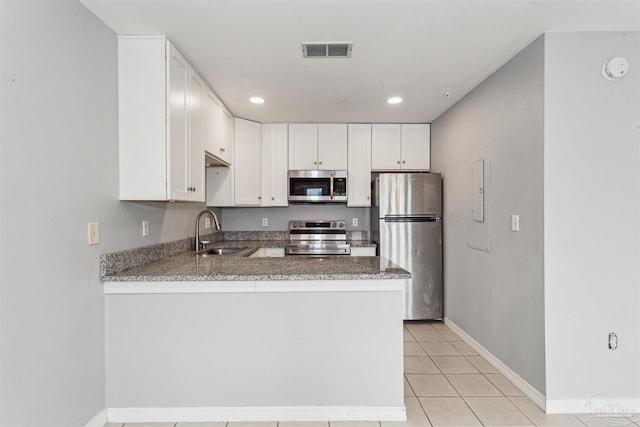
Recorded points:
331,186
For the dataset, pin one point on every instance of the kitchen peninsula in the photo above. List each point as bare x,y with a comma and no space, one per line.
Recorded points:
235,338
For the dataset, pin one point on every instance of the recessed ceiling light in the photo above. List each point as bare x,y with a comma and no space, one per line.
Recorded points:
394,100
256,100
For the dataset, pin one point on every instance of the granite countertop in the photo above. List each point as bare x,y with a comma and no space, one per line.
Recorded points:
189,267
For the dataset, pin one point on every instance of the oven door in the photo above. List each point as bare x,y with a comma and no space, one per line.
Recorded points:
318,248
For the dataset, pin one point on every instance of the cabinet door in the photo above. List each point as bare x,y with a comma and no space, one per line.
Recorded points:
278,162
303,146
332,147
196,138
225,136
247,163
385,147
212,123
177,107
416,147
359,161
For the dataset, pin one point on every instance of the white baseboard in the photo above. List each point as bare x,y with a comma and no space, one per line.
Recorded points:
99,420
533,394
596,405
268,413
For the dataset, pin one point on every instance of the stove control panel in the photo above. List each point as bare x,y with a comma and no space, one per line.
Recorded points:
318,225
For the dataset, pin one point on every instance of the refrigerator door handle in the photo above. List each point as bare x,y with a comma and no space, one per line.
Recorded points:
414,218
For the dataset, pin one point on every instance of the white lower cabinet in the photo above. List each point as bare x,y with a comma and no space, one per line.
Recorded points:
363,251
268,253
359,165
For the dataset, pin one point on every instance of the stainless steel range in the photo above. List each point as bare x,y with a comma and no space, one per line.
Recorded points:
318,238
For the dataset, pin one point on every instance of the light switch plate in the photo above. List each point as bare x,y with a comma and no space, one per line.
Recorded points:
515,222
354,222
145,228
207,223
265,222
94,233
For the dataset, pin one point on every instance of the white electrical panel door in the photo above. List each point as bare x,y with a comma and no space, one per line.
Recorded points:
477,191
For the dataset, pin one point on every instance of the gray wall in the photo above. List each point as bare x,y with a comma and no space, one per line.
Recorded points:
250,219
497,296
58,172
592,216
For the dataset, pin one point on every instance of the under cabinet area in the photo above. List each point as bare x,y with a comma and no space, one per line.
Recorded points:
400,147
317,146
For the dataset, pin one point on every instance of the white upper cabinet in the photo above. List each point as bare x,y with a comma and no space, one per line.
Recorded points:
217,143
196,138
160,108
359,155
415,147
313,146
303,146
274,164
247,163
332,147
400,147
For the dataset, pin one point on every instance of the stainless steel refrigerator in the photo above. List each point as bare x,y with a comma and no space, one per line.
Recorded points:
406,224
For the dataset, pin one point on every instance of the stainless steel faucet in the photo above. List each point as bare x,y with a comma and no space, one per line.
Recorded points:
216,222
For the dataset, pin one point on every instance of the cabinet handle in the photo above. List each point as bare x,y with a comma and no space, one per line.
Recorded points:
398,161
273,198
222,150
368,197
403,162
315,163
259,197
319,163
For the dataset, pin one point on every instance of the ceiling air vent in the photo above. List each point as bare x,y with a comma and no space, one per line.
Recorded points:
327,50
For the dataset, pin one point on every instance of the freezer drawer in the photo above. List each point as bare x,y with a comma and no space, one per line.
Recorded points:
407,194
416,247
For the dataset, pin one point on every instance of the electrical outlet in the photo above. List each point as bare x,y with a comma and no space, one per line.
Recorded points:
145,228
265,222
94,233
515,222
207,222
354,222
613,341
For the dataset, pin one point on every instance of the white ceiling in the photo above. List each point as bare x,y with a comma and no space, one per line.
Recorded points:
414,49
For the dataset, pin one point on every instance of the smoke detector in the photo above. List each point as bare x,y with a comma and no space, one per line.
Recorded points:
326,49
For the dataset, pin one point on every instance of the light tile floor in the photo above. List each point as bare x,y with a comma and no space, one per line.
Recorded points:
446,383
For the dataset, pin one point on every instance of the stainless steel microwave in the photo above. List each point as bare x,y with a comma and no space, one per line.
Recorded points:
317,186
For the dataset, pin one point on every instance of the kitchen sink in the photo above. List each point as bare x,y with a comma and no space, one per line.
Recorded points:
224,251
